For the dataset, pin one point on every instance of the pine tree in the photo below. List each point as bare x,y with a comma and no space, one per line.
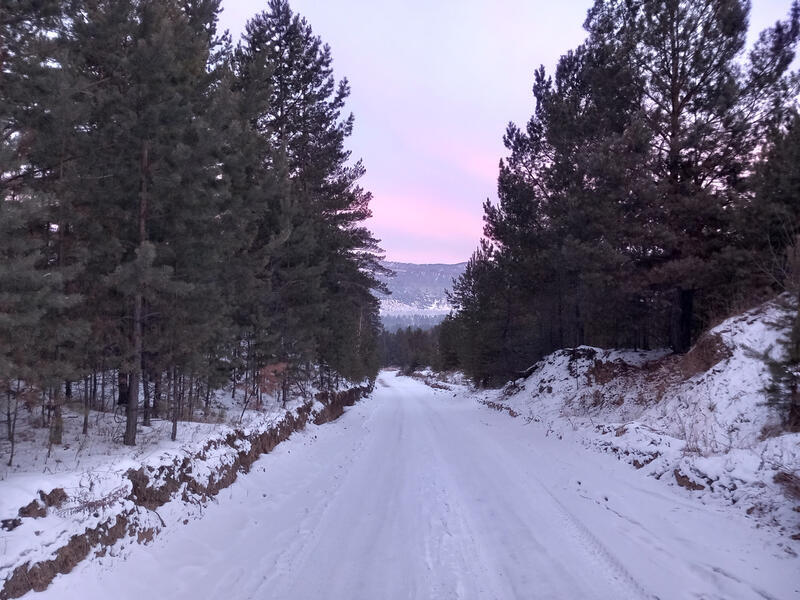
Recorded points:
772,230
321,274
37,113
770,222
152,181
618,221
707,118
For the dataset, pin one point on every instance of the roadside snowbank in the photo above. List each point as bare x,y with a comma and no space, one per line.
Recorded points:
97,504
698,421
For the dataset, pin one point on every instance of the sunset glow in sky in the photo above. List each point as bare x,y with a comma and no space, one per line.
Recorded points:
434,85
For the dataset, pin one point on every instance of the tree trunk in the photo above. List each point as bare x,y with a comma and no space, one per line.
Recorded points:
146,391
174,406
57,422
138,306
122,387
156,394
103,387
13,423
85,430
8,410
190,398
131,412
681,335
94,390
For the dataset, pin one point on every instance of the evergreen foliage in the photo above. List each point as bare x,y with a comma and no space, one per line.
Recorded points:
623,203
772,223
174,210
410,349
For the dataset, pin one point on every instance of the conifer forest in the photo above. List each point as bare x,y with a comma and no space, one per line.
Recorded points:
654,191
516,317
178,209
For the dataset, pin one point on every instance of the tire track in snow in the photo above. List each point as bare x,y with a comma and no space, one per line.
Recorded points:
542,506
417,495
286,564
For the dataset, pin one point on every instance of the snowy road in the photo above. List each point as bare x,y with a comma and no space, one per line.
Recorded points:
415,493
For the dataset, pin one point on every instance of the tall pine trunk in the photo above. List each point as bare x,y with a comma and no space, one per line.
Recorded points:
138,309
156,394
175,406
57,421
8,409
12,423
146,391
85,430
122,387
682,317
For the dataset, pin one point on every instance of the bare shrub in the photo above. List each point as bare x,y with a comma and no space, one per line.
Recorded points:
85,503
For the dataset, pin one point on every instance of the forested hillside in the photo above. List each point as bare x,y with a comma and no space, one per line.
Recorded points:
654,191
418,294
178,210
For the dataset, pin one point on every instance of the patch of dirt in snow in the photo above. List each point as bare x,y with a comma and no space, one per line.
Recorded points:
697,421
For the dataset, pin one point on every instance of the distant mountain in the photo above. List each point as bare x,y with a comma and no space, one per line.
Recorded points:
418,296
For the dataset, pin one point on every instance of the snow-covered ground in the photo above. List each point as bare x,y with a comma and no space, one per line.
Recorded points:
90,472
699,421
423,493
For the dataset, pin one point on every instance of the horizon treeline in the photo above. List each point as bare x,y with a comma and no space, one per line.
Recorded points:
176,209
410,348
654,191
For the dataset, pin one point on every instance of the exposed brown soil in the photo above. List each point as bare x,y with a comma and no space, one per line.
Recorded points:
335,403
709,350
603,372
34,510
684,481
37,509
500,407
646,460
55,498
790,482
146,493
38,576
10,524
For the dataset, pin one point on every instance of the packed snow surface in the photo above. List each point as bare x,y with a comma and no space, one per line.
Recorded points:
423,493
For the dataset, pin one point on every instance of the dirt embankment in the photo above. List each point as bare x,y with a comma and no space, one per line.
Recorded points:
151,488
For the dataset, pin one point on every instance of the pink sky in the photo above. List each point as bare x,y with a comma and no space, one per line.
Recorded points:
433,86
